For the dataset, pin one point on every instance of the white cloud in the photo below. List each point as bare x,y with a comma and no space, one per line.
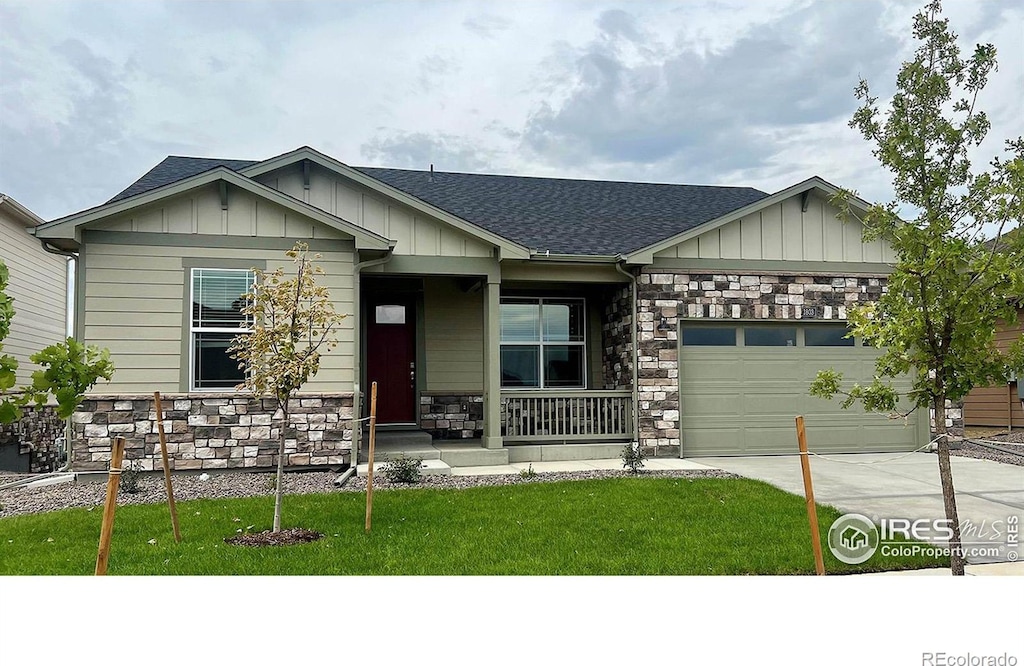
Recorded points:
92,94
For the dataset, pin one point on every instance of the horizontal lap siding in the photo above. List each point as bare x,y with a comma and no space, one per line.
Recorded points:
998,406
38,284
453,323
134,306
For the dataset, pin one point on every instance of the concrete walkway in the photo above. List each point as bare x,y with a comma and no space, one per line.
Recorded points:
993,569
437,467
896,485
653,464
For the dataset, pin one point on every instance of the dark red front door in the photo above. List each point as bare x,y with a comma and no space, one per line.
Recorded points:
391,359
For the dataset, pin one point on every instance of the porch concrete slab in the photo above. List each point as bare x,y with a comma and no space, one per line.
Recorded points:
897,485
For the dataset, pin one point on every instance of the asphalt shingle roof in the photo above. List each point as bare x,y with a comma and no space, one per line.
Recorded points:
570,216
564,216
175,168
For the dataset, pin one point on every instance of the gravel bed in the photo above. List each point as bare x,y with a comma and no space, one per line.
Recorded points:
968,449
20,501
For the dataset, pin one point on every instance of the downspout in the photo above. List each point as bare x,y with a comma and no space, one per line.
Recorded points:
635,384
72,258
357,430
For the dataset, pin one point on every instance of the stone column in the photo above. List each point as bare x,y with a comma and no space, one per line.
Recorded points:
492,364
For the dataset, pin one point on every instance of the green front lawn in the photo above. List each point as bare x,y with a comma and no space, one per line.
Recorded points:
609,526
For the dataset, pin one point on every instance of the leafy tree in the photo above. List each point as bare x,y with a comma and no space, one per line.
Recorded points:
294,322
69,368
949,286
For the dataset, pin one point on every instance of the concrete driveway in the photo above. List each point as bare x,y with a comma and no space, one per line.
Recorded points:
895,485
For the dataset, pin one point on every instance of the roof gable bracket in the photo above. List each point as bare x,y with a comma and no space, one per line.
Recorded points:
805,200
305,175
223,195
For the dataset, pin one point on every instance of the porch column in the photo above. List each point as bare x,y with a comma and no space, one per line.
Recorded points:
492,364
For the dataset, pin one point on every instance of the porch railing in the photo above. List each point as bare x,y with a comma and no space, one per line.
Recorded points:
566,415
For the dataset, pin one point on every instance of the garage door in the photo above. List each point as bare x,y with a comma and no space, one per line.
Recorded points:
741,386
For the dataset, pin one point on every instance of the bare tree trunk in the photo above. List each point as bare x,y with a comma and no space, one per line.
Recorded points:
956,558
280,466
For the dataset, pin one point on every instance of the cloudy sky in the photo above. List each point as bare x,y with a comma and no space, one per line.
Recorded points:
758,93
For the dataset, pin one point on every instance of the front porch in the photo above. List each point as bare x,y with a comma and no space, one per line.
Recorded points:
471,370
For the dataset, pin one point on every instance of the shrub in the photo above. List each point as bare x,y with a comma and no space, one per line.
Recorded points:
633,457
131,472
528,473
403,469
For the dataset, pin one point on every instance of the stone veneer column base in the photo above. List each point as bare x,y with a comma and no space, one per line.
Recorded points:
214,431
452,415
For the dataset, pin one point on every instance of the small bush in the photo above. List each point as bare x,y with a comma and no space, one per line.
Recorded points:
528,473
131,472
270,483
403,469
633,457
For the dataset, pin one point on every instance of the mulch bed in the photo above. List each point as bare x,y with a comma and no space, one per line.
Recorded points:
288,537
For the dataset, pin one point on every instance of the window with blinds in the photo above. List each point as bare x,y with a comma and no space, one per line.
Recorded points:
543,343
218,296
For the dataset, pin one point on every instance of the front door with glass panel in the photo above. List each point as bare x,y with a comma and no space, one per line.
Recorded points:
391,357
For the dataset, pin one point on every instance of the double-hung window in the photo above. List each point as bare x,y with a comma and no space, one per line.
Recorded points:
218,296
543,344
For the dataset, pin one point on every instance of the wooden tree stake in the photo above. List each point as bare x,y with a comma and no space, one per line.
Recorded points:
373,435
812,509
107,528
167,466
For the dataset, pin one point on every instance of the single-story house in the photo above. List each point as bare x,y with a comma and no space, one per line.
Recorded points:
532,318
38,285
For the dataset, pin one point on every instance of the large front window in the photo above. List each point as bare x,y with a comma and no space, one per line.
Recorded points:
217,302
543,344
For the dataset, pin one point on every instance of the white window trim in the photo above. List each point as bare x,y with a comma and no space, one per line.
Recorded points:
540,344
193,329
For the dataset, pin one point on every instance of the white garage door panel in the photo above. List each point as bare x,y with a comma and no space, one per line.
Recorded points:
743,401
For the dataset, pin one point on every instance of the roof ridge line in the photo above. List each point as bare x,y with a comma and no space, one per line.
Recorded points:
571,180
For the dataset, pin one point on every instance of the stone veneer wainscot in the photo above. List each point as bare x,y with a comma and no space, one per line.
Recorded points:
666,295
35,435
213,431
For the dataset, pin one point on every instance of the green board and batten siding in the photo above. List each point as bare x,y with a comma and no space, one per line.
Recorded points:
784,231
414,233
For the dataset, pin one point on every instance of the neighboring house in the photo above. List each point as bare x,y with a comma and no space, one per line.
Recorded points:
999,406
38,284
537,318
